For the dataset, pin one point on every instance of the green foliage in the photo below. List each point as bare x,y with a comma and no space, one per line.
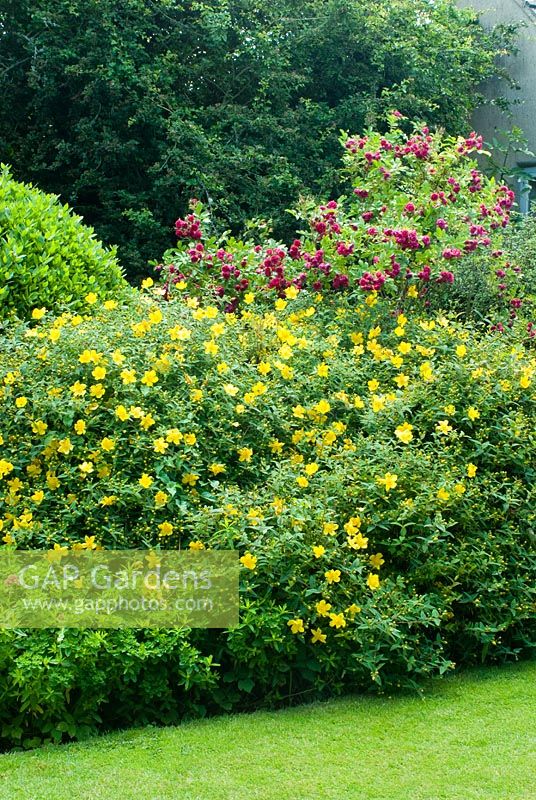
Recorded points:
127,108
380,464
47,257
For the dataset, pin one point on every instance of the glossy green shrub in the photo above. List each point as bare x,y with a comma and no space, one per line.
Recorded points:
47,256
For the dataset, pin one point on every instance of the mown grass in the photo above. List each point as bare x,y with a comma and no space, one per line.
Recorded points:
472,736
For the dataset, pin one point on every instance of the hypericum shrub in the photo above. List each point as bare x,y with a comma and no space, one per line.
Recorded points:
419,211
47,256
375,470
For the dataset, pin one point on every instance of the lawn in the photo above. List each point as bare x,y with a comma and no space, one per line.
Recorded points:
471,736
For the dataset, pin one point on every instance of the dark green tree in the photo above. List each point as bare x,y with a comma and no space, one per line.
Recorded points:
127,108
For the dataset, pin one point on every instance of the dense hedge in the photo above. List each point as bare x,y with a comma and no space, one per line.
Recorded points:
376,474
48,258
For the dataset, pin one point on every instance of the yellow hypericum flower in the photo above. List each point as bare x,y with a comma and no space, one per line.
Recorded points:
128,376
211,348
401,380
322,608
147,283
174,436
97,390
190,438
121,413
299,412
377,403
147,421
107,444
302,481
318,550
333,575
471,470
65,446
322,407
39,427
404,432
330,528
145,481
373,581
318,636
150,378
459,488
357,542
442,494
376,560
450,409
524,382
118,358
190,479
245,453
80,427
197,545
160,445
109,500
322,370
180,334
264,367
155,316
99,373
278,504
311,469
38,496
230,389
5,467
38,313
91,298
461,350
413,292
373,385
216,469
296,625
78,389
473,413
160,499
404,348
389,480
337,620
426,371
86,467
110,305
248,561
89,357
444,427
165,528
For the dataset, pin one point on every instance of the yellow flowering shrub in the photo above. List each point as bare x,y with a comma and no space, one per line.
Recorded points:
375,471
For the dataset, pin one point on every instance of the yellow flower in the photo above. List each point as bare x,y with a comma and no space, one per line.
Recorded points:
389,480
86,467
147,421
471,470
373,581
118,358
39,427
65,446
121,413
322,608
78,389
216,469
444,427
109,305
245,453
150,378
165,528
333,575
426,371
311,469
461,350
302,481
377,403
128,376
145,481
160,445
174,436
190,438
404,432
296,625
160,499
337,620
459,488
89,357
107,444
38,313
318,551
330,528
155,316
318,636
373,385
211,348
264,368
80,427
97,390
147,283
109,500
473,413
91,298
190,479
524,382
197,545
358,542
38,496
322,370
377,560
404,348
20,402
230,389
248,561
99,373
401,380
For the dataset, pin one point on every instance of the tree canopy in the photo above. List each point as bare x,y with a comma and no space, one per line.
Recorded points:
127,108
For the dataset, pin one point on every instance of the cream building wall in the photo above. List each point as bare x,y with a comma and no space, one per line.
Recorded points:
490,120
